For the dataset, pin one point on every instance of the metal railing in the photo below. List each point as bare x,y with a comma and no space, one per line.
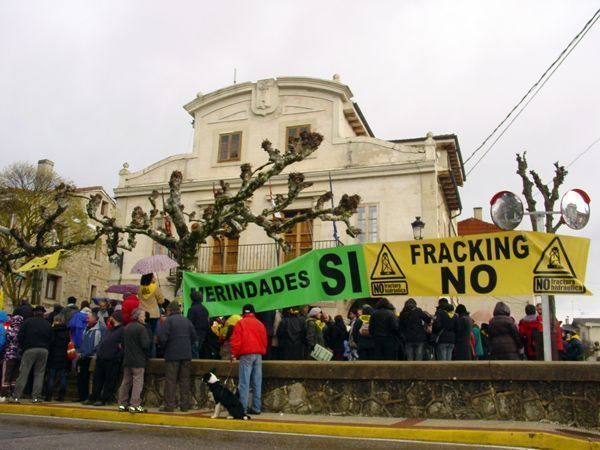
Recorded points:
248,258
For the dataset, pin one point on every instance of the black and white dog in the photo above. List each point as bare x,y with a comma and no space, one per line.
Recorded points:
224,397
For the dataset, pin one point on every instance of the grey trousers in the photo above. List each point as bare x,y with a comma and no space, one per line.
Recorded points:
32,358
177,373
133,378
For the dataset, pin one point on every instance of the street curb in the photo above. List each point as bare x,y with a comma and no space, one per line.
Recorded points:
517,438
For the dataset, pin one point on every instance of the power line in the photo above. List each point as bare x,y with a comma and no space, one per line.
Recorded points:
537,85
583,152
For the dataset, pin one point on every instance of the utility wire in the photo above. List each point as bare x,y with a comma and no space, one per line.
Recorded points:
550,70
532,97
583,152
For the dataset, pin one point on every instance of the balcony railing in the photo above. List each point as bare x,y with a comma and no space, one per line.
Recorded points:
248,258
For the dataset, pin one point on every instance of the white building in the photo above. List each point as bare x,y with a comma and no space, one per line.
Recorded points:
398,180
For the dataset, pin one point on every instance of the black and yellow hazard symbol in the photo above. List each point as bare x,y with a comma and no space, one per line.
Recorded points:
387,277
554,273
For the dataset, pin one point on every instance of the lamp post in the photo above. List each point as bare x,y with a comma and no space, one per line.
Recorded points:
417,226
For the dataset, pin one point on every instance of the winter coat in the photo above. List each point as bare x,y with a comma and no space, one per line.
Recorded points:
136,343
111,345
25,311
504,338
530,332
91,339
314,334
198,315
478,342
3,318
12,349
574,350
462,342
57,357
334,336
129,304
268,320
291,337
249,337
177,335
383,323
151,297
363,342
411,325
36,332
77,326
445,322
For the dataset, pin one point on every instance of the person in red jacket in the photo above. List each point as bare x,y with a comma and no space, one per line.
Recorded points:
249,344
530,331
129,304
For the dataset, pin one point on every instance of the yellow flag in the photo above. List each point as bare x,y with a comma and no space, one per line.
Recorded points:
42,262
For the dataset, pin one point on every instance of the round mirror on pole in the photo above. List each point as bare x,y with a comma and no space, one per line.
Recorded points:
506,210
575,209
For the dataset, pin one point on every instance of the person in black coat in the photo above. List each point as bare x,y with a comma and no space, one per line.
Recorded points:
198,315
268,320
291,335
362,335
464,327
444,330
504,334
109,357
335,334
411,325
57,359
383,326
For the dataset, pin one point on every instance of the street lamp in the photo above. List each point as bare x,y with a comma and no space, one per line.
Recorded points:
417,227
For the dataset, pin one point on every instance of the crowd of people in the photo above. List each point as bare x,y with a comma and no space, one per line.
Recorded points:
40,348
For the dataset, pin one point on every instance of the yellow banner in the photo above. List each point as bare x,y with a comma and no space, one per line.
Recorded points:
42,262
508,263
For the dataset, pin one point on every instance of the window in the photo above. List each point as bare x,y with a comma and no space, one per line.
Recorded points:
294,132
104,208
299,238
229,146
93,291
367,222
225,256
52,286
157,249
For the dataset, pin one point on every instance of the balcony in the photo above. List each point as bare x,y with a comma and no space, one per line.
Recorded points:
249,258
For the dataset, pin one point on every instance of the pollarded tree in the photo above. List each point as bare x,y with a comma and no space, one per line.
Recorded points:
230,213
550,195
39,214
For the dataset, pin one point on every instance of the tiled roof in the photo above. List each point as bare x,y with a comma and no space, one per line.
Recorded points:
476,226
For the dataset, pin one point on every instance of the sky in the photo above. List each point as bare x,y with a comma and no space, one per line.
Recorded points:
91,85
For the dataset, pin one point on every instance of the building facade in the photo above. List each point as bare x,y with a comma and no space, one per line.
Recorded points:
397,180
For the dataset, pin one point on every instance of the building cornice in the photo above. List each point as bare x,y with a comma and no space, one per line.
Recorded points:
337,174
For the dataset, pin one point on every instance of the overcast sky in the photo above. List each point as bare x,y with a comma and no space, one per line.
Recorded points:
92,84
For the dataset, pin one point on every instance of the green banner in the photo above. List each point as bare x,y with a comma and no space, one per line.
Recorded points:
330,274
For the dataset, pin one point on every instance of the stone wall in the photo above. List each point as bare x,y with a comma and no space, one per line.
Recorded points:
567,393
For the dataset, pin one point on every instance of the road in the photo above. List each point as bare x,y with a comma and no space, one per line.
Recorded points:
28,432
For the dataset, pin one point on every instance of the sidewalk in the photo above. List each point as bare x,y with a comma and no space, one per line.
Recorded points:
515,434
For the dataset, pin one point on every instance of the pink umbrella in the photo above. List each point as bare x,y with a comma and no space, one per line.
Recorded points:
124,289
154,264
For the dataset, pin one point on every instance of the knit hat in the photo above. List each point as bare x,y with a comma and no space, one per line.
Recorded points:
314,311
173,306
118,316
461,309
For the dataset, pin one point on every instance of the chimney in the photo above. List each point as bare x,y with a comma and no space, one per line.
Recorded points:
478,213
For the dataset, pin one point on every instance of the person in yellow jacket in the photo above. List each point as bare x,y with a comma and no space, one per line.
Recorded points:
225,334
151,298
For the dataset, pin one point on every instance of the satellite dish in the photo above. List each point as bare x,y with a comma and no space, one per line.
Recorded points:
575,209
506,210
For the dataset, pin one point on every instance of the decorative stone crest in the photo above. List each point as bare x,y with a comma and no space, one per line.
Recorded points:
265,97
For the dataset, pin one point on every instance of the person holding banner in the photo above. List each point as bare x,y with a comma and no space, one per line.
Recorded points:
249,344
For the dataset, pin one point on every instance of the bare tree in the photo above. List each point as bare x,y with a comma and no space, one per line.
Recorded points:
230,214
549,194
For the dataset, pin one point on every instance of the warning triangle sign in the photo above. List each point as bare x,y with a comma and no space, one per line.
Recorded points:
554,260
386,266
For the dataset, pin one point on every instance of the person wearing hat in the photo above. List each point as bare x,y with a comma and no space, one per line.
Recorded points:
177,335
314,333
109,356
35,338
249,344
463,349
